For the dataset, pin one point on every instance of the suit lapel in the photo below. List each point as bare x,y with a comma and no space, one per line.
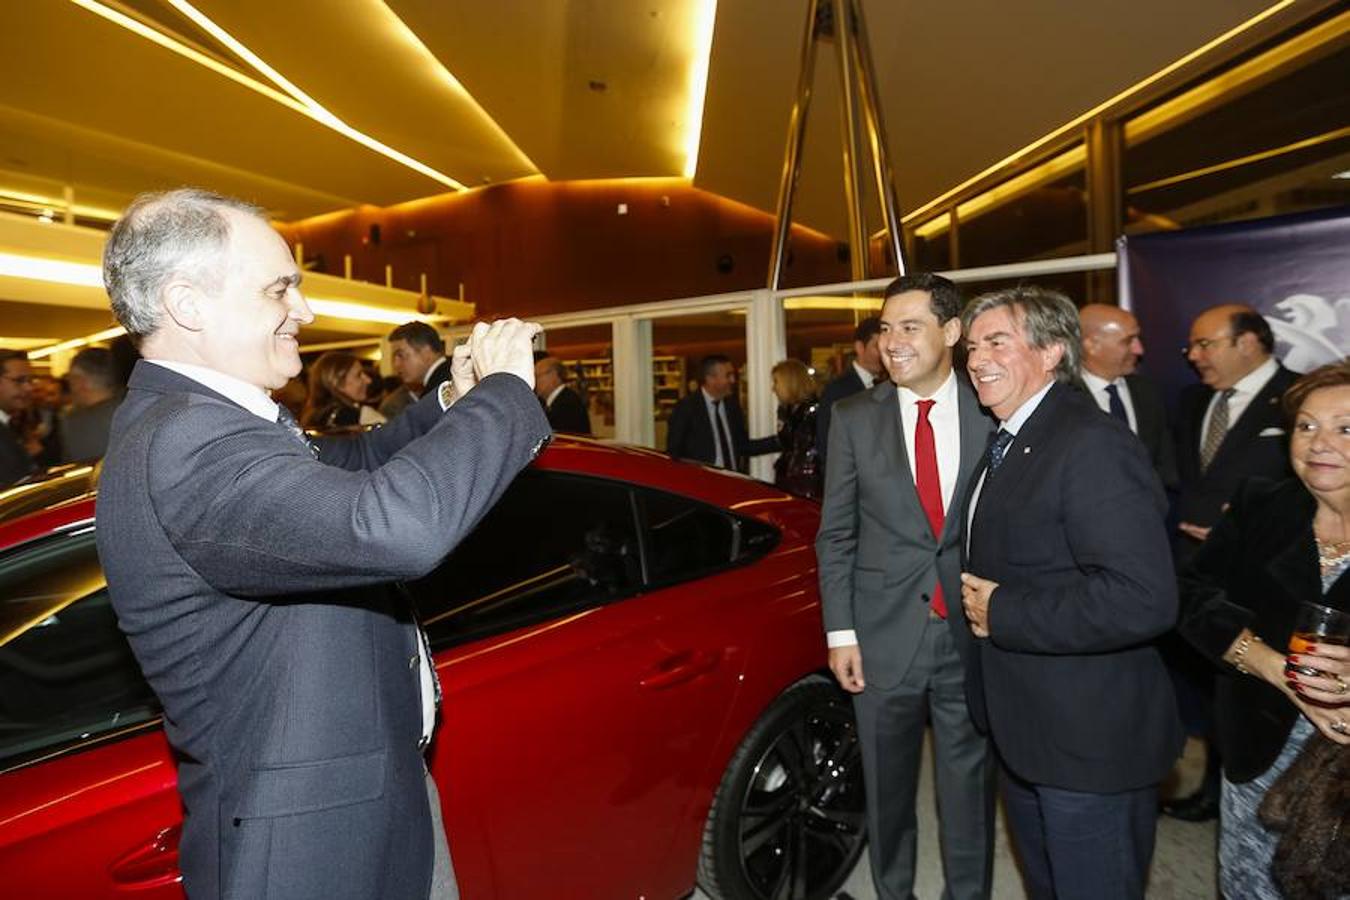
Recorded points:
1261,412
1021,452
974,444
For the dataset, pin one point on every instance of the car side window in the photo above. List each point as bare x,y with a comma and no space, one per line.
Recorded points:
553,545
686,539
67,673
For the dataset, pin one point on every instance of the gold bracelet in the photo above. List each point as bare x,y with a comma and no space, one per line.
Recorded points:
1241,652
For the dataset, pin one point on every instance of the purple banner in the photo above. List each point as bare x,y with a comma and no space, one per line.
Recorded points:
1294,269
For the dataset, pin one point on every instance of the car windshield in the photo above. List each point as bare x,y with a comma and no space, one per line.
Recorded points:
67,674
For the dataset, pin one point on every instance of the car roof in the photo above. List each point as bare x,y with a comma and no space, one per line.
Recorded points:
65,498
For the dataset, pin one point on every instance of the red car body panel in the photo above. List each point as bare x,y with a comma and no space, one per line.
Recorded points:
578,755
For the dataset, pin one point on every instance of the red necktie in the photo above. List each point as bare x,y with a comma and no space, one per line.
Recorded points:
929,486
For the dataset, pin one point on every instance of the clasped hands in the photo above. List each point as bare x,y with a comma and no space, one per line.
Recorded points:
506,345
975,594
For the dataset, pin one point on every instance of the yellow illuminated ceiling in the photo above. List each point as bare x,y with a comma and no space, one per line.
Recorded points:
308,107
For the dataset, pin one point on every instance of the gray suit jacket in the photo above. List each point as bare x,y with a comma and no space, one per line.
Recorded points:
291,699
877,554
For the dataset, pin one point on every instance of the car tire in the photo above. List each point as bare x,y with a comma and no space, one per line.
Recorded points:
788,819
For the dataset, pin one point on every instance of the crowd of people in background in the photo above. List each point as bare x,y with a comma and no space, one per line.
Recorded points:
1130,582
1063,623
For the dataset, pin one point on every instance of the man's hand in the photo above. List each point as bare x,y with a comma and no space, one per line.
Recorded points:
1190,529
975,595
461,370
504,346
846,664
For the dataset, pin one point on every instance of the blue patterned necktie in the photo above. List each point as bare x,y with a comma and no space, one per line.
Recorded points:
286,420
997,447
1116,406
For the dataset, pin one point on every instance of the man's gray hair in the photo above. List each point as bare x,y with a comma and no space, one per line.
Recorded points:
164,235
1047,318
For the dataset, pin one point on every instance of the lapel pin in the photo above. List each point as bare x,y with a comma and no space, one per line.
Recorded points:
1026,450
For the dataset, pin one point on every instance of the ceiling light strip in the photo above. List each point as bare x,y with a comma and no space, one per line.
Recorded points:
1079,121
415,41
1243,77
106,335
705,18
307,107
55,271
191,53
1250,158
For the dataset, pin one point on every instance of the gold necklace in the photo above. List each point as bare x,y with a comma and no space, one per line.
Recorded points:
1332,553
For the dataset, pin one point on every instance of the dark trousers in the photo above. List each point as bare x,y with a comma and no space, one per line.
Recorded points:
890,728
1080,846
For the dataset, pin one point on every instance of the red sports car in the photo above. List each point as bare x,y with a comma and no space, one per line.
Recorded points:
635,697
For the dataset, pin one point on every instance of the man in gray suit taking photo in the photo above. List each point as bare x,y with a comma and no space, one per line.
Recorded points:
889,547
234,547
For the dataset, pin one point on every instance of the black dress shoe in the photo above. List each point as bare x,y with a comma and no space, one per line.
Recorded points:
1193,808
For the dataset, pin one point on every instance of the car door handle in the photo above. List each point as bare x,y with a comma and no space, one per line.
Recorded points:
153,864
679,668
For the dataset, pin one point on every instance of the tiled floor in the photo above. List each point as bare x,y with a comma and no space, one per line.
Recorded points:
1183,864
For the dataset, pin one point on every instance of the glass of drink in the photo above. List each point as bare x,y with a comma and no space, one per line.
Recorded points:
1317,624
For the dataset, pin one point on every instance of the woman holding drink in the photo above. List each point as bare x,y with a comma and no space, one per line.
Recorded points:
1274,565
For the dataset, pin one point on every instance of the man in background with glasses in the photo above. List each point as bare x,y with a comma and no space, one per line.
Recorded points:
1229,428
15,395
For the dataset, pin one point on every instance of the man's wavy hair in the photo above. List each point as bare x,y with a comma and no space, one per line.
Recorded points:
1046,317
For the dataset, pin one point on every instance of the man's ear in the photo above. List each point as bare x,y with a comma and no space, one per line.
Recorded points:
1051,356
183,303
951,331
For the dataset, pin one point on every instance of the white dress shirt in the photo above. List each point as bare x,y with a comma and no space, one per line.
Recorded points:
1012,425
1244,391
553,395
255,400
426,376
867,378
714,413
946,421
1097,388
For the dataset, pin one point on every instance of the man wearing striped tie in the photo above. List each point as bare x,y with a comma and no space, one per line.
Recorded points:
1229,428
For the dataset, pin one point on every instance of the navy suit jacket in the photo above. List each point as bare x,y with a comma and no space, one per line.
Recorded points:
1150,414
233,558
15,463
568,413
1071,526
689,434
1256,445
845,385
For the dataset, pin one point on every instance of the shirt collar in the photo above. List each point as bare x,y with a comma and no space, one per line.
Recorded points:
708,398
1014,423
867,378
426,376
4,418
1256,379
250,397
944,394
1096,382
553,394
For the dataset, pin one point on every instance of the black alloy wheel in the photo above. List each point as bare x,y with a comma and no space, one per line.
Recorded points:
788,820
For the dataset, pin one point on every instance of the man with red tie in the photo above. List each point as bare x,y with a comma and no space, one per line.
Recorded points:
901,458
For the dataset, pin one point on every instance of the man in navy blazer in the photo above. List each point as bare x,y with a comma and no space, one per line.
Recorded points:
1066,587
707,425
256,573
1230,428
863,371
